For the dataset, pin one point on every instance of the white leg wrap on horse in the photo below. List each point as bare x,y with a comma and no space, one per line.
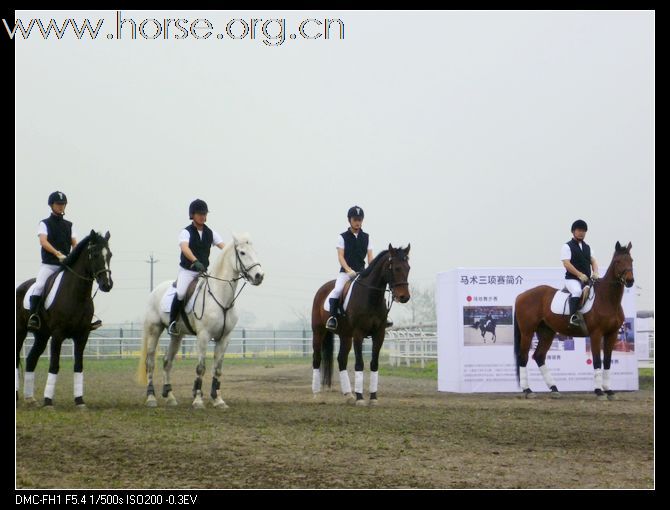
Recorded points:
606,380
523,377
316,380
547,376
358,382
51,386
78,384
345,383
374,381
28,384
598,379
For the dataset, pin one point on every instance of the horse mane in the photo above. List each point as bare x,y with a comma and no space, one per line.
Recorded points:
375,261
73,256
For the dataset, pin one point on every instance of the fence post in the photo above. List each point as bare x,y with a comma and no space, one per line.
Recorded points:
304,343
244,343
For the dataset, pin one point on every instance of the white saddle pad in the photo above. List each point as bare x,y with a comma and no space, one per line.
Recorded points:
560,306
166,301
50,298
326,304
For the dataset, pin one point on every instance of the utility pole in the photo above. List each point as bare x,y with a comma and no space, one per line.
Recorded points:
151,261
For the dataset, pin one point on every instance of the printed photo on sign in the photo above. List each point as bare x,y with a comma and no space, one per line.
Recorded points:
560,343
487,325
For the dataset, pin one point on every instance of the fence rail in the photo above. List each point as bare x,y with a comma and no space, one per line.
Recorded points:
415,345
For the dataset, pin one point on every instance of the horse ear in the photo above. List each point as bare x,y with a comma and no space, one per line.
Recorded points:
390,248
408,247
618,246
92,234
235,237
107,236
630,245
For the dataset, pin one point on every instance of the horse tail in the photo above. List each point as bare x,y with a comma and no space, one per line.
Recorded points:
142,365
327,348
517,345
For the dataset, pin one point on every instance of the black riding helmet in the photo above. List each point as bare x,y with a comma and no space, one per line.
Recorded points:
197,206
57,197
355,212
579,224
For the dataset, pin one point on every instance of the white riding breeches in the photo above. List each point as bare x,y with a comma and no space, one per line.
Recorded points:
342,278
574,286
46,270
184,279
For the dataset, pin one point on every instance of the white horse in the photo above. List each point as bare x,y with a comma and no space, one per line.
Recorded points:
212,317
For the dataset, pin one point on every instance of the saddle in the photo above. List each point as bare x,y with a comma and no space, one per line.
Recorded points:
343,296
586,292
190,290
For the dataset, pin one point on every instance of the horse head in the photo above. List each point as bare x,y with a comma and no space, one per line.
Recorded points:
622,264
397,272
246,260
99,256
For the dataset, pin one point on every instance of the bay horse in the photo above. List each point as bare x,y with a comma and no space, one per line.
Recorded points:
69,316
532,314
365,315
213,317
485,327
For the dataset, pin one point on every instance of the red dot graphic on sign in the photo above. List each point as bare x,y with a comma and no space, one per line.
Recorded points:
469,298
589,361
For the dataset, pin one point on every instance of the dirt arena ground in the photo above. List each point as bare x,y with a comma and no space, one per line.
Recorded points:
274,435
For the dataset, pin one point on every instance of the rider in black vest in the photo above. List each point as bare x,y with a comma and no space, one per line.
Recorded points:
195,242
57,238
353,248
578,261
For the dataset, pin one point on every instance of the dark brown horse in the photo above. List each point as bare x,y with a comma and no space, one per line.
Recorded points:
532,314
69,316
365,315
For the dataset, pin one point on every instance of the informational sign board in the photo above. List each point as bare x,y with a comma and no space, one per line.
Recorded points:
475,311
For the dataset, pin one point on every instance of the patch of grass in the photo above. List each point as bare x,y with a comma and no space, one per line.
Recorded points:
413,372
646,378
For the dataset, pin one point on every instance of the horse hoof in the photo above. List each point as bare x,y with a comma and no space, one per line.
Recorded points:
529,394
151,401
171,401
361,403
611,396
349,398
318,398
601,397
48,407
220,404
198,404
81,407
373,402
555,394
30,401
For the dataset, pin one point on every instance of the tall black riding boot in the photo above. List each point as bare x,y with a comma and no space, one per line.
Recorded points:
574,317
34,323
331,324
173,329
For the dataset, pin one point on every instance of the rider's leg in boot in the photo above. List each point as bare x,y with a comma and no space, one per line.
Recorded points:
574,304
331,324
174,316
34,322
389,322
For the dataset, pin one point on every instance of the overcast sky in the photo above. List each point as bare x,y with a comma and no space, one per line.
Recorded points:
478,137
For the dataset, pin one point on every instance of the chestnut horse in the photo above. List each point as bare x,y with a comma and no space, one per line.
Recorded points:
532,314
365,315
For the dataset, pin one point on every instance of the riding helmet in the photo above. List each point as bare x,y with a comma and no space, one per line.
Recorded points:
57,197
355,212
197,206
579,224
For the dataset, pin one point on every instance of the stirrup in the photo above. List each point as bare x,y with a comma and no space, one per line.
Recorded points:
331,323
96,324
173,329
34,322
389,323
574,320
